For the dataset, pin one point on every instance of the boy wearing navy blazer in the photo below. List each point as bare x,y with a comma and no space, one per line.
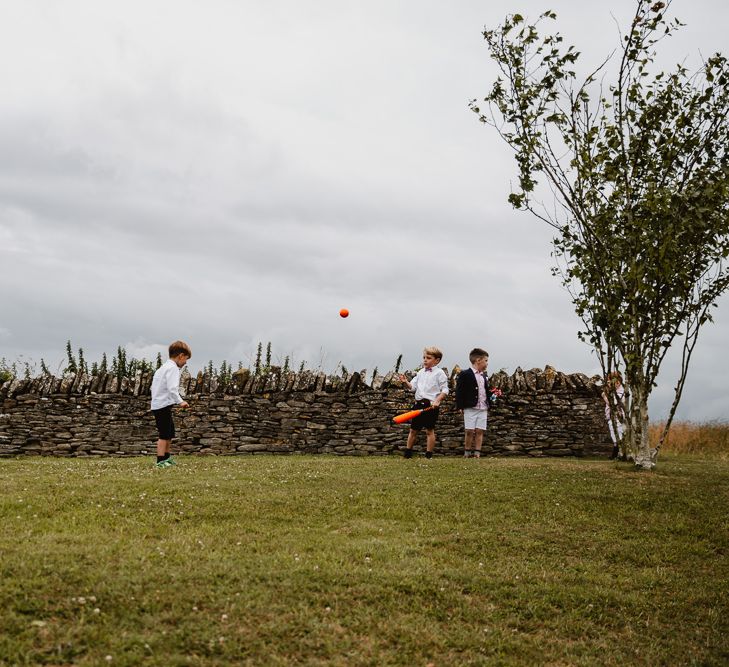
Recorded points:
472,398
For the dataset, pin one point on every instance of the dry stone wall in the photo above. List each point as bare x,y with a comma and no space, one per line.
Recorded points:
543,413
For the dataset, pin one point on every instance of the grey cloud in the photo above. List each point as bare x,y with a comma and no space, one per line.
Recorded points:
241,183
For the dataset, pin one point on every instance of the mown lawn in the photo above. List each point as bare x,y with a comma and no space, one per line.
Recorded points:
363,561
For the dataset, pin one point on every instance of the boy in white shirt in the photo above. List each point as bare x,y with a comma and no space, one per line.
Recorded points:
165,394
430,385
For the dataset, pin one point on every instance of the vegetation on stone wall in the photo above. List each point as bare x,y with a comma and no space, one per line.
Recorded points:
124,366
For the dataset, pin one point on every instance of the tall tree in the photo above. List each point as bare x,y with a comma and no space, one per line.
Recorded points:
639,178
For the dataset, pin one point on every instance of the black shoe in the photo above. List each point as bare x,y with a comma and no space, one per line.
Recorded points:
428,455
408,453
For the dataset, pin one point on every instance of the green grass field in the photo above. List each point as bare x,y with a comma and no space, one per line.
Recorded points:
363,561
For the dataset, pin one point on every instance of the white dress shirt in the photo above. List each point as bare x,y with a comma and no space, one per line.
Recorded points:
428,383
166,386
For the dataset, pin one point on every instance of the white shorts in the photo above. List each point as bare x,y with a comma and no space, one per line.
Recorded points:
474,418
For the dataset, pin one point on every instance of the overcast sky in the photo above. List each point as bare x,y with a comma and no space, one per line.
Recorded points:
235,172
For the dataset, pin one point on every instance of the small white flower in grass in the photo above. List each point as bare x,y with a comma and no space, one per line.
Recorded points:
82,600
224,617
327,609
367,559
38,624
108,658
194,608
97,610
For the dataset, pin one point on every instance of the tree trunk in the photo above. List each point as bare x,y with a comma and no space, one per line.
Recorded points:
639,423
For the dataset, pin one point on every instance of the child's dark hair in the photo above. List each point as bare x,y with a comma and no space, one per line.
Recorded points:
180,347
477,353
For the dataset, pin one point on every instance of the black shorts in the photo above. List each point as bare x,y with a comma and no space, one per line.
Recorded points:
427,419
165,425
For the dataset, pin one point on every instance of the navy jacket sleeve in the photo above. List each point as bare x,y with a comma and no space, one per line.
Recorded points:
463,389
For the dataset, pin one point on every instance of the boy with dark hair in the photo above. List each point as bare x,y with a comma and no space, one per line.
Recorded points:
165,394
472,398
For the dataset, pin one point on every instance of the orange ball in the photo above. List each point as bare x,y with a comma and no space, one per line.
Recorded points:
344,313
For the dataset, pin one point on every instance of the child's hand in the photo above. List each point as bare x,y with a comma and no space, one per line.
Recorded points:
184,404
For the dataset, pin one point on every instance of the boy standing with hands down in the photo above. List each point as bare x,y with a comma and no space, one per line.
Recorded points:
430,385
472,397
165,394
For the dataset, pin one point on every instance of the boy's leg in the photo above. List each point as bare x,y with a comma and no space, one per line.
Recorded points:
412,439
163,451
616,450
477,442
168,448
168,454
166,430
430,446
468,442
162,448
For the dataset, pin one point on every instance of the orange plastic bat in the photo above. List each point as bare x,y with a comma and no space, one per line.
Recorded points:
407,416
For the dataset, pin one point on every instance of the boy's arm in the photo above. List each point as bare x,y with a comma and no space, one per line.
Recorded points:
173,385
459,390
410,385
443,387
490,400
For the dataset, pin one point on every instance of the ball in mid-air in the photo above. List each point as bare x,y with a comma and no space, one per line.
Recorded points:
344,313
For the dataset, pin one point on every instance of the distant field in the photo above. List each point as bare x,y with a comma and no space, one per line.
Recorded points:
296,560
710,438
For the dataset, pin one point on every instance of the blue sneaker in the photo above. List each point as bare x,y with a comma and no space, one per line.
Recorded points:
163,464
